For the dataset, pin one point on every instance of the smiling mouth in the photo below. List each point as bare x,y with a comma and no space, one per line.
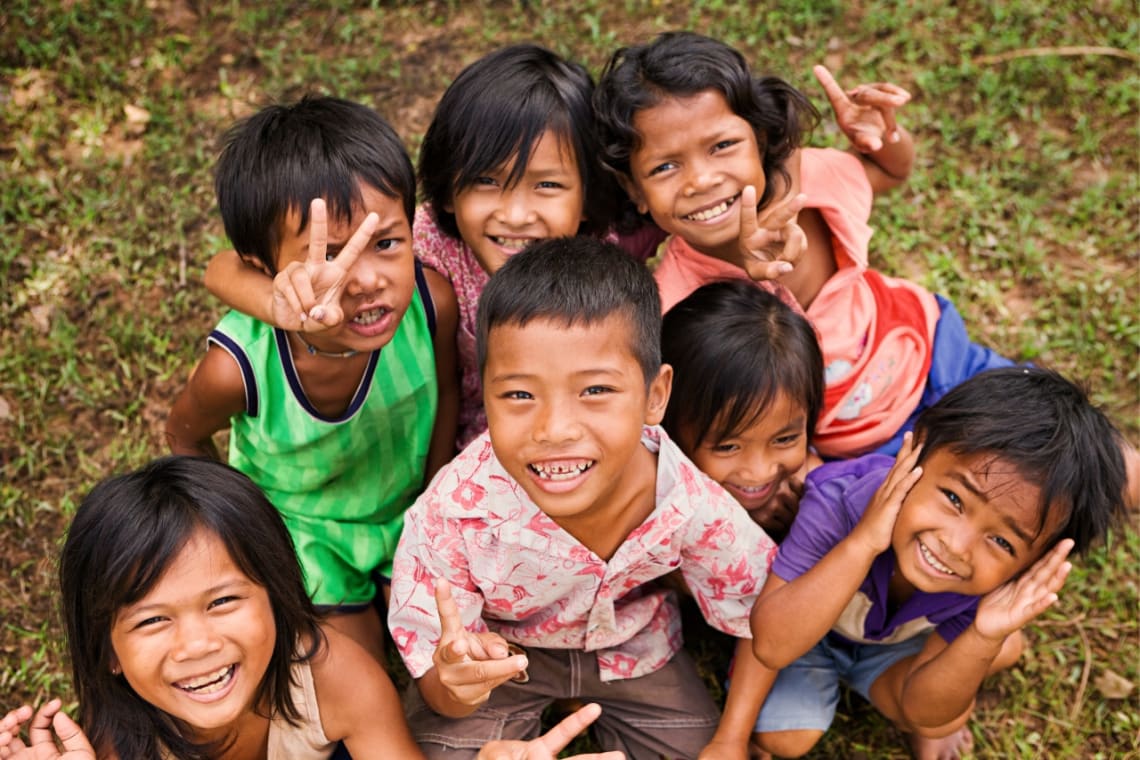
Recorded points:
712,212
555,471
210,682
933,561
511,243
370,316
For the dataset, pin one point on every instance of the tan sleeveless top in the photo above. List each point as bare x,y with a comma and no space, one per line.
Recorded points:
306,741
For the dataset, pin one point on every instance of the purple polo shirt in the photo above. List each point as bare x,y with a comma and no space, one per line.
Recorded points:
835,497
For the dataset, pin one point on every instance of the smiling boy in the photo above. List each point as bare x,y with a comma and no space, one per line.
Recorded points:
550,528
911,582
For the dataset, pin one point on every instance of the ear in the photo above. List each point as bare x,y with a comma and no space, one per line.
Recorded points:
657,396
116,668
633,192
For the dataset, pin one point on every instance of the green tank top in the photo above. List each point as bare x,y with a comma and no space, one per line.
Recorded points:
342,484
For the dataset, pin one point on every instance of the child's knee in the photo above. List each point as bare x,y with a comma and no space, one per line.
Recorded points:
794,743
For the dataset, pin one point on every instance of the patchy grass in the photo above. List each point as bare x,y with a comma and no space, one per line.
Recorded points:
1023,209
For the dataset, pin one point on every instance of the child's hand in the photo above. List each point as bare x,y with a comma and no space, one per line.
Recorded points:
878,522
770,239
1011,606
41,743
306,296
866,114
470,665
547,746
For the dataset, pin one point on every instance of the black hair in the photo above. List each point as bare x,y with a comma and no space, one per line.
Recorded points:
680,64
574,281
733,348
1045,426
284,156
498,107
125,534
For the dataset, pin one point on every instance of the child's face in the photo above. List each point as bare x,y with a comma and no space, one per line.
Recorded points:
199,643
695,156
755,466
565,409
968,525
379,283
497,221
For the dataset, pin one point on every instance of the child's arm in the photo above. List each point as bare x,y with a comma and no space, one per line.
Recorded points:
791,616
41,744
214,393
442,447
467,665
751,682
866,114
302,297
944,679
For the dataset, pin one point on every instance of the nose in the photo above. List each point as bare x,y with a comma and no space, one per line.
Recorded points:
364,278
554,423
515,207
194,638
701,177
959,538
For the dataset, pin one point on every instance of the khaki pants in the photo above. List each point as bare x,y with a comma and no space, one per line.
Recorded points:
667,714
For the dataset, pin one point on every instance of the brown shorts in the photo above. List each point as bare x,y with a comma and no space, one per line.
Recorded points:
665,714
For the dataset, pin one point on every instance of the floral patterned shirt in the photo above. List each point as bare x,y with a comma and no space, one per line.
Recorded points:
514,571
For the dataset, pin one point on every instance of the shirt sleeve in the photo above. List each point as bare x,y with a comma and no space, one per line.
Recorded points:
430,547
820,524
724,561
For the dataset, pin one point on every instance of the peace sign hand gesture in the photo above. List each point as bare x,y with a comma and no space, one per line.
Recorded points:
41,743
770,239
306,295
469,665
866,114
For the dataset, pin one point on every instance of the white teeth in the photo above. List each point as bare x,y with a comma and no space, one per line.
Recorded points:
515,244
929,557
208,683
560,471
715,211
370,316
751,489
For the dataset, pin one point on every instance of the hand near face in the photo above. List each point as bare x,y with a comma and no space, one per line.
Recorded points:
470,665
41,742
770,239
306,295
878,522
1011,606
547,746
866,114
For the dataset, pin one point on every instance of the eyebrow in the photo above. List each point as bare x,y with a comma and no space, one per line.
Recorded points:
582,373
227,585
334,246
1012,524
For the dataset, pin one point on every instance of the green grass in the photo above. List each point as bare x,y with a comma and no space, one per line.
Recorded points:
1023,209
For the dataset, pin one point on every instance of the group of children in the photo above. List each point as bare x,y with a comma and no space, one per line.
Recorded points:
474,420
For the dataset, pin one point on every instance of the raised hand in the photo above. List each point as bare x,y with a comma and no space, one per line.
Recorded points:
41,743
878,522
547,746
770,240
469,665
866,114
306,295
1012,605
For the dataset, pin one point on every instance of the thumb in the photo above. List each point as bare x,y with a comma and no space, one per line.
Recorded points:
70,734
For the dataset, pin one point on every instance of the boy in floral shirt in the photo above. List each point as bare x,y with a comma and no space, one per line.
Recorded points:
550,528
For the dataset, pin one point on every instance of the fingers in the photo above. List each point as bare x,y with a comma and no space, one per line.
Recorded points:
487,646
450,621
556,739
71,734
358,242
748,223
318,231
831,88
39,730
472,682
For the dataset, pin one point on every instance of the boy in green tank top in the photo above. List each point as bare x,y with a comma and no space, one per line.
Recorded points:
342,426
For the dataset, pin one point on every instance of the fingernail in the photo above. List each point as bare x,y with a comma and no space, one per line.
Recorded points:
784,267
895,136
318,314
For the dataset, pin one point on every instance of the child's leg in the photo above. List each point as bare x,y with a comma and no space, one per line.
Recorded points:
513,711
666,713
801,703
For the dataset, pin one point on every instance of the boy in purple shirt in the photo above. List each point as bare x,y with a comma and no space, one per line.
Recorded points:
911,581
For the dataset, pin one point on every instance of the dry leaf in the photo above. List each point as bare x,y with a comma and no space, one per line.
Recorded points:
1113,686
41,316
137,119
5,409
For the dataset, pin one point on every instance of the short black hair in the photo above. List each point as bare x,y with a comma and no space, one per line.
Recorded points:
125,534
284,156
680,64
574,281
733,348
500,106
1045,426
